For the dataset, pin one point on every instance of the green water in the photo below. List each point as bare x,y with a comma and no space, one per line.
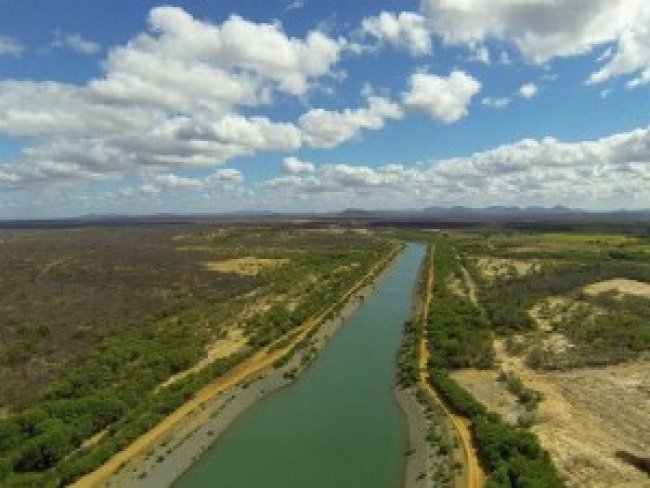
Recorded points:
339,425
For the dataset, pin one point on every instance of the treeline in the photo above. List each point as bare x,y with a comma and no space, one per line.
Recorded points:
459,334
511,455
42,446
407,356
408,353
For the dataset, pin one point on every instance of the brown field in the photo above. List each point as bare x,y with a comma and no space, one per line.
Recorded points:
492,268
619,285
247,266
586,415
486,389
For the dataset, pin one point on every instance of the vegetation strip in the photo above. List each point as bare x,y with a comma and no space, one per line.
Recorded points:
511,455
254,365
473,473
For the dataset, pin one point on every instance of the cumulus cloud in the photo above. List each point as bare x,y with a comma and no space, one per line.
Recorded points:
614,170
10,47
76,43
158,183
406,30
444,99
326,128
540,30
293,166
230,175
528,90
172,96
631,56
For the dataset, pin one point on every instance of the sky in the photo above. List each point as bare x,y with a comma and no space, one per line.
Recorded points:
210,106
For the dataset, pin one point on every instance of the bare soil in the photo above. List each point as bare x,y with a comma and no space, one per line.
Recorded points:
233,342
492,268
587,415
486,389
619,285
248,266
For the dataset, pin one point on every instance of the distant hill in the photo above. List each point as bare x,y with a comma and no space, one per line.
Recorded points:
435,216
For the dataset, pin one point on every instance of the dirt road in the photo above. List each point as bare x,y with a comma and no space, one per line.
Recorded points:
473,472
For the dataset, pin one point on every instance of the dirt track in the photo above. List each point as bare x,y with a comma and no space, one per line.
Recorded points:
473,472
251,367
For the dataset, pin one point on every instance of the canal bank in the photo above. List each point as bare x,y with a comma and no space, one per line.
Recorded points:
339,423
179,448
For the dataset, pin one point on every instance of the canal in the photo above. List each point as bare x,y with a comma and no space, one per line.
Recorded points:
339,424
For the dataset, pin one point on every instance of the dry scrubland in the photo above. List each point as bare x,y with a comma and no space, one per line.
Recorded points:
117,327
571,321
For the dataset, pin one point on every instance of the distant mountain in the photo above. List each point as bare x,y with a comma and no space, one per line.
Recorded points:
434,216
502,210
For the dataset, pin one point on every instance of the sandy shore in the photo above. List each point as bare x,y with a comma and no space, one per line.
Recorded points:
418,466
178,450
417,471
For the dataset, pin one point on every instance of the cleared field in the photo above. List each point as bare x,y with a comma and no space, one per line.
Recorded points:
599,239
586,416
493,268
589,414
248,266
619,285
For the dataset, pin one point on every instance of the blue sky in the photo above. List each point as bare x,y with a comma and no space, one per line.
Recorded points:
212,106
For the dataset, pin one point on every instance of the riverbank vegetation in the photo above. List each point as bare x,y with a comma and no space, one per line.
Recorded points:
460,335
106,374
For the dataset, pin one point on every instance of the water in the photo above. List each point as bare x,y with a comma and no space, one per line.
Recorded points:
339,425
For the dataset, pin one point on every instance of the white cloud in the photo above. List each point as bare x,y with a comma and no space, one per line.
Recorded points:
444,99
257,133
174,181
10,47
528,90
189,64
237,43
541,29
158,183
325,128
292,165
632,54
480,53
406,30
608,172
170,97
230,175
642,79
76,43
496,102
295,5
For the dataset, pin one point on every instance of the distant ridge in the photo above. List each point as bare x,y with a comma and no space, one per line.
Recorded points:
435,216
